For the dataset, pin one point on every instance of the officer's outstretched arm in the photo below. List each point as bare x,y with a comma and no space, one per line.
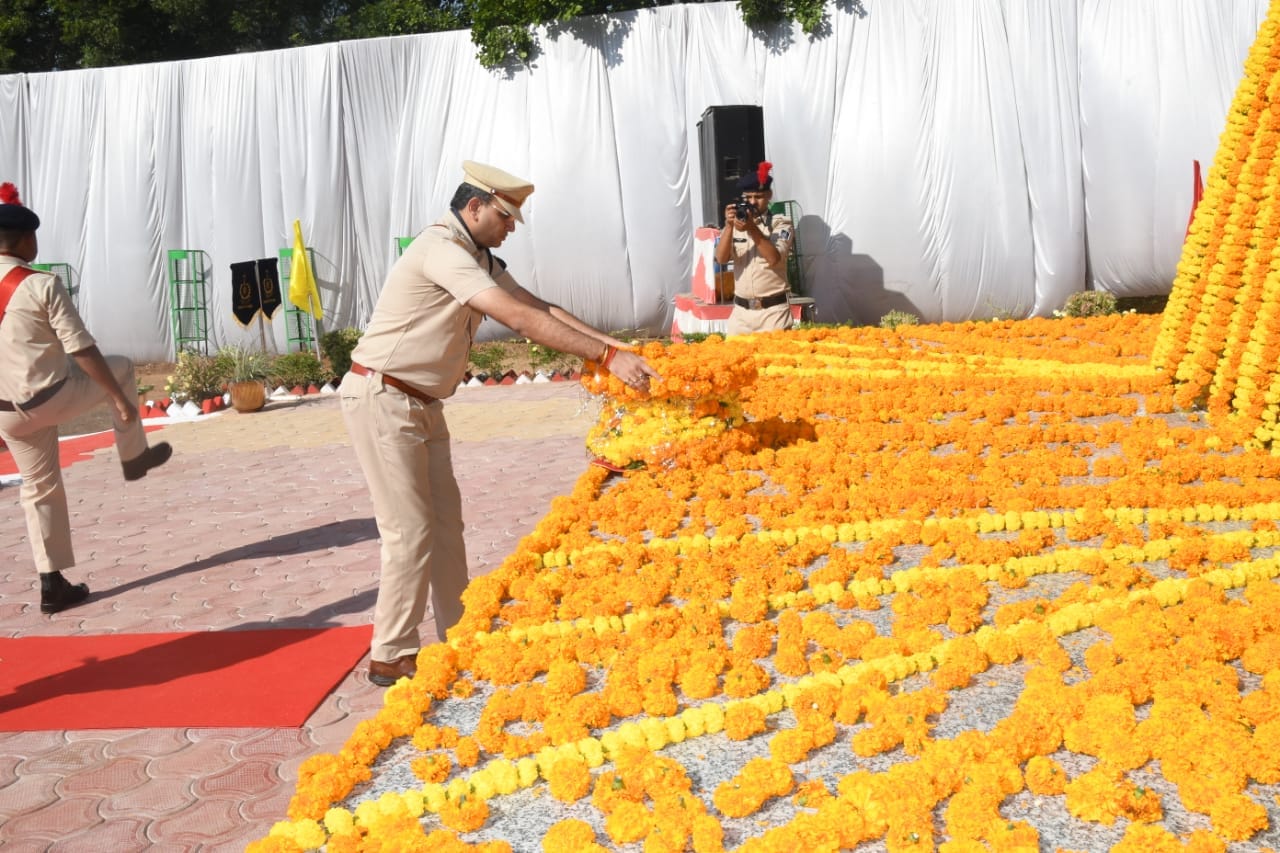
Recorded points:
565,317
542,327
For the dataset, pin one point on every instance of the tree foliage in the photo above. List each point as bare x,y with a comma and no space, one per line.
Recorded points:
50,35
53,35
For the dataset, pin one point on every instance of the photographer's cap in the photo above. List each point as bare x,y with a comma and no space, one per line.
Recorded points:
759,180
14,215
509,190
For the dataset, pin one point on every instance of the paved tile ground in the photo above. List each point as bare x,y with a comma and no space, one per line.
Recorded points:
259,520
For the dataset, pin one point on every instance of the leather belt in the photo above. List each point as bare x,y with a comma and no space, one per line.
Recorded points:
756,303
42,396
398,384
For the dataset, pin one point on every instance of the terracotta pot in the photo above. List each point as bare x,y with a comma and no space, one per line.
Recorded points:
247,396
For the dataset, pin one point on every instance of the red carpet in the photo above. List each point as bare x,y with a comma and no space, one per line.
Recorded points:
251,679
69,450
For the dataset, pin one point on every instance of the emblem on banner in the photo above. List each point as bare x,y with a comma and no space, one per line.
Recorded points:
246,299
269,286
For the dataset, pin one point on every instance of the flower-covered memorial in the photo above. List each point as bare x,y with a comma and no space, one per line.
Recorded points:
967,584
1004,585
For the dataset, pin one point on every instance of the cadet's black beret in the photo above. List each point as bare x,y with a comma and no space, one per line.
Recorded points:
760,179
14,215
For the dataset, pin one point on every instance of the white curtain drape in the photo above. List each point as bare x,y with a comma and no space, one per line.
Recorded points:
958,159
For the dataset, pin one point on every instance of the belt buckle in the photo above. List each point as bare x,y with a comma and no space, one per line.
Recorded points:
754,303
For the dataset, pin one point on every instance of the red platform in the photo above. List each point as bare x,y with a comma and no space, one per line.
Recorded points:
693,316
711,282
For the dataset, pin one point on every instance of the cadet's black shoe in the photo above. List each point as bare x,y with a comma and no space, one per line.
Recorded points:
57,593
153,457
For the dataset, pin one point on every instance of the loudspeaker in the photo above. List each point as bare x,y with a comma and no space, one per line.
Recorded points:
730,144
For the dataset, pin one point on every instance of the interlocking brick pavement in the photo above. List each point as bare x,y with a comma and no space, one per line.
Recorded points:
260,520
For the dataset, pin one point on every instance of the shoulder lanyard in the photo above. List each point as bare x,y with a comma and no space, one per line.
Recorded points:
9,284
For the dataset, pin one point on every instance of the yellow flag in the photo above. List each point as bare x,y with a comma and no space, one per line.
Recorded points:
302,283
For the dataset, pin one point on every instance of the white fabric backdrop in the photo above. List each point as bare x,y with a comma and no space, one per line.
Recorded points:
954,158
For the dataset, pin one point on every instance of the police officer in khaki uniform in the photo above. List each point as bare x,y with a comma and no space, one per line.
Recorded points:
758,245
41,387
414,353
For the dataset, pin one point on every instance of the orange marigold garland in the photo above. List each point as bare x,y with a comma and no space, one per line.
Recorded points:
682,417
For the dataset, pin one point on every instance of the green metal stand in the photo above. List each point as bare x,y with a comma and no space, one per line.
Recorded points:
299,325
67,275
791,210
188,300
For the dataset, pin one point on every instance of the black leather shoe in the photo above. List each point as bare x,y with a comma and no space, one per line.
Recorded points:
57,593
387,674
153,457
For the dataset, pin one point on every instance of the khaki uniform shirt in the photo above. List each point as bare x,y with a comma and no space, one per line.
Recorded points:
421,329
40,328
752,277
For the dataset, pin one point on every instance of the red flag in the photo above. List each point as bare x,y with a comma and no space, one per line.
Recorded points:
1197,193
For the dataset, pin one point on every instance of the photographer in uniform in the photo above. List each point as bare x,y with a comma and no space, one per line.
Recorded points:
758,243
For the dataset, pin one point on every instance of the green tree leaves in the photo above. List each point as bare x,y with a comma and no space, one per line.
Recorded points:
51,35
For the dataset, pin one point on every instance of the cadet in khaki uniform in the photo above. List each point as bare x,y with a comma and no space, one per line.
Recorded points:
414,353
40,387
758,245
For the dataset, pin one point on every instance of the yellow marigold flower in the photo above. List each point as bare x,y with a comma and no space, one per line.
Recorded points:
431,768
611,789
1203,841
1045,777
1014,836
338,821
1145,838
742,720
464,813
1236,817
571,836
1141,804
746,679
569,779
1095,795
628,821
707,835
527,770
467,752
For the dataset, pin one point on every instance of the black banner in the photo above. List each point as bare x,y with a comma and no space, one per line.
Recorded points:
269,286
246,300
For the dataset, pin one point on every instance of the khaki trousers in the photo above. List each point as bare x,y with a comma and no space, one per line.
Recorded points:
402,445
744,321
32,437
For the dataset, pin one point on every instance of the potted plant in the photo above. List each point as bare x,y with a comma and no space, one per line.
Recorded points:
195,377
296,370
245,371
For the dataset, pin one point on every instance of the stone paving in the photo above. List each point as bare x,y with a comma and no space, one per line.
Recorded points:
260,520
